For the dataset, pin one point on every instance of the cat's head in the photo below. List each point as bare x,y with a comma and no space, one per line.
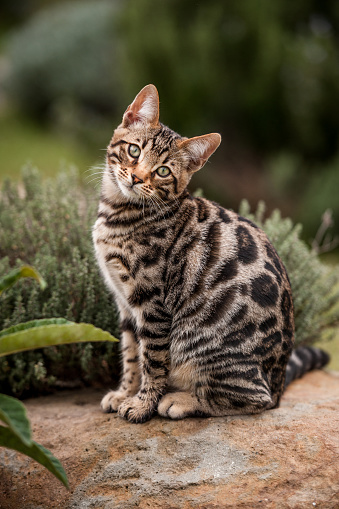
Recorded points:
148,161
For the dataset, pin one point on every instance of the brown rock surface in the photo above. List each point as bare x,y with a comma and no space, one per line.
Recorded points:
288,457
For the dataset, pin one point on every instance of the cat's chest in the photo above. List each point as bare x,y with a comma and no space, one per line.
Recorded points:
127,263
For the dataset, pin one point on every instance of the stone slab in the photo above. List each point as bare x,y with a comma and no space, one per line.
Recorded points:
284,458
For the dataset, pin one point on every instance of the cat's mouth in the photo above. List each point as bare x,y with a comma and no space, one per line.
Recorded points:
128,190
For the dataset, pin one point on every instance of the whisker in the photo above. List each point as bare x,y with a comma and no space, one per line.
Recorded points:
95,173
94,176
158,203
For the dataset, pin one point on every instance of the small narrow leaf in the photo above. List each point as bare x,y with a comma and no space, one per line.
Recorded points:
13,413
36,451
42,335
16,274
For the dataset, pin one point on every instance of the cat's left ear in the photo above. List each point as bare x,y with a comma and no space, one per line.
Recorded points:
144,108
199,149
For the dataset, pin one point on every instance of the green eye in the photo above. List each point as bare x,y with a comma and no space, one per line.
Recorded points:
163,171
134,150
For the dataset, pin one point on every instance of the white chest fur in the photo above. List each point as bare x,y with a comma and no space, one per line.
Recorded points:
113,270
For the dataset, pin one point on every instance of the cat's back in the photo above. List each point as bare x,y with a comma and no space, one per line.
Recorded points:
231,298
222,249
226,278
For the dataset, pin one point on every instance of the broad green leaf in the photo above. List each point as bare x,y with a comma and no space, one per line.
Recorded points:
49,335
14,275
34,323
36,451
13,413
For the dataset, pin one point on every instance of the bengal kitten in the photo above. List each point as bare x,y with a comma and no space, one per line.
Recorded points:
205,302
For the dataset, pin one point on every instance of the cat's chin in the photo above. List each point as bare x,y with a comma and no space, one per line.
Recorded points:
128,192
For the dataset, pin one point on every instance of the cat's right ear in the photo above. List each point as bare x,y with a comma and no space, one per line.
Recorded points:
144,108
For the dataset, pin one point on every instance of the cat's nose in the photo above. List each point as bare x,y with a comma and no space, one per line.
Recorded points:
136,179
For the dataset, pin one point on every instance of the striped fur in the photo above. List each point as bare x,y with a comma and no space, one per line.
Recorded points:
205,302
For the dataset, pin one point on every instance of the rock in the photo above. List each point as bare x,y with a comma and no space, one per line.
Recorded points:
284,458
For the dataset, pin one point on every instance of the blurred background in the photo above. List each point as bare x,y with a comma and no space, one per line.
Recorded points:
264,74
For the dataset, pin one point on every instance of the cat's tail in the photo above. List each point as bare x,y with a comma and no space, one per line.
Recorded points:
304,359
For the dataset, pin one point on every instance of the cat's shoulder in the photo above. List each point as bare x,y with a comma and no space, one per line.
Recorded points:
233,228
210,209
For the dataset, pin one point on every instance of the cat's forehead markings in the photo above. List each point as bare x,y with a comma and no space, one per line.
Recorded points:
120,142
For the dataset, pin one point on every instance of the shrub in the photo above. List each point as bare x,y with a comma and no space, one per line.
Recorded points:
315,286
269,73
48,225
63,65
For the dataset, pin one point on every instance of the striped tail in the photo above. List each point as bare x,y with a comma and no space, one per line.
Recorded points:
304,359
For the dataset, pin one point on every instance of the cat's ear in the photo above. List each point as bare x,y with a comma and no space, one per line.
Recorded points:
199,149
144,108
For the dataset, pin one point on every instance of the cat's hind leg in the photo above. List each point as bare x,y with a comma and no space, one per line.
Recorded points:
178,405
181,404
130,381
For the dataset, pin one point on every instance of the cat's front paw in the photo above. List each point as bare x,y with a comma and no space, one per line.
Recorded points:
112,400
136,409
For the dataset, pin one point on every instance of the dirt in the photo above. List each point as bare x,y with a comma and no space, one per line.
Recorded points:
284,458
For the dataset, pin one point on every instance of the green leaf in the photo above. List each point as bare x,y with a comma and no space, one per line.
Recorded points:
41,335
36,451
13,413
14,275
34,323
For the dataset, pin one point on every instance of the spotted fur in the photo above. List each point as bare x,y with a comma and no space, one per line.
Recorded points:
205,302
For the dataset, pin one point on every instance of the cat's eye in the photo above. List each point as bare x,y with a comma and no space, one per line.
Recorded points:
134,150
163,171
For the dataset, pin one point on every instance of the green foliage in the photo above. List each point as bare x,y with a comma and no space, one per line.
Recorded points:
48,149
48,225
42,333
27,336
265,76
315,286
63,65
13,413
17,435
16,274
268,72
321,194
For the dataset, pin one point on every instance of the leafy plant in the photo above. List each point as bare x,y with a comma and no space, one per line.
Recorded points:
268,73
75,66
53,331
14,275
17,435
25,336
48,224
315,286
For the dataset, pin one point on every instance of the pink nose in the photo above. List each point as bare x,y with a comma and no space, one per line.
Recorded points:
136,180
